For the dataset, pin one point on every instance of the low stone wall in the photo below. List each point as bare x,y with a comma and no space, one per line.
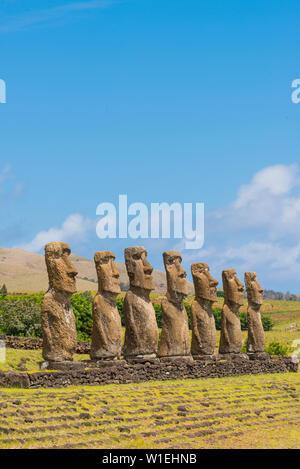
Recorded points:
127,373
35,343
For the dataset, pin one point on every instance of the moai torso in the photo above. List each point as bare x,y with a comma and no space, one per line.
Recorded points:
175,337
231,339
256,334
58,321
204,335
107,327
141,331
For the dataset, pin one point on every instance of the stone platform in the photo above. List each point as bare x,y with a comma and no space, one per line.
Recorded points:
123,373
177,359
79,365
233,356
142,359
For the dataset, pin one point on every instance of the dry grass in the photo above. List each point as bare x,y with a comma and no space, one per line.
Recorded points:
242,412
30,359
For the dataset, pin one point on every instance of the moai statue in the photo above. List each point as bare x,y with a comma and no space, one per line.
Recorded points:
107,327
175,339
58,320
141,331
256,335
231,340
204,335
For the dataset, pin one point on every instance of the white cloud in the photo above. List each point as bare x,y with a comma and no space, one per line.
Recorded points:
259,231
273,180
74,228
20,22
269,205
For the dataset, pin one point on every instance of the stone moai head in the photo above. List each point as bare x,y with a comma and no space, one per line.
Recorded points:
204,283
61,271
176,275
138,268
254,290
233,287
108,274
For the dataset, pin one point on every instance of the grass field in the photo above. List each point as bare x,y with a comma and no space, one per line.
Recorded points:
261,411
241,412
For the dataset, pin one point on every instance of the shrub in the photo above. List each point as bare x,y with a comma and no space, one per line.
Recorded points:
188,310
34,297
217,315
157,309
21,317
3,290
267,322
276,348
120,306
87,295
82,304
244,321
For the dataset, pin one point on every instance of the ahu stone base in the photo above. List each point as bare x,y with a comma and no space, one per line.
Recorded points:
233,356
142,359
205,357
80,365
177,359
259,356
123,373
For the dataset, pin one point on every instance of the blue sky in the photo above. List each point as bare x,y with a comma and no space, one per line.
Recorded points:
162,100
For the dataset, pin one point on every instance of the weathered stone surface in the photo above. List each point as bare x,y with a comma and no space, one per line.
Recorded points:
81,364
175,369
204,334
103,363
204,357
231,339
107,327
144,359
14,380
58,321
259,356
256,334
175,336
141,331
177,359
233,356
62,365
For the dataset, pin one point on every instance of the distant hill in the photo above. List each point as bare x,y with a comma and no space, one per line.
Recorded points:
277,295
269,295
24,271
